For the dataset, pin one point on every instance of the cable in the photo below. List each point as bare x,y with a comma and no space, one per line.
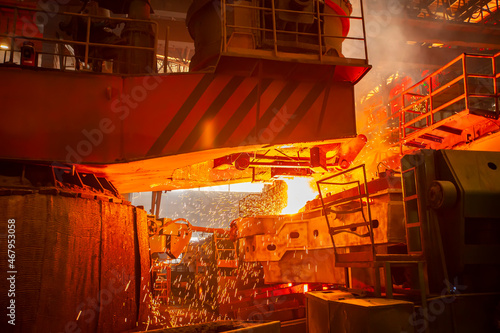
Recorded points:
463,295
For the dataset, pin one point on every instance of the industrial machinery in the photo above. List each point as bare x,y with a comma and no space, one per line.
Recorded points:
431,232
259,101
207,265
168,237
451,220
441,252
208,276
270,94
294,248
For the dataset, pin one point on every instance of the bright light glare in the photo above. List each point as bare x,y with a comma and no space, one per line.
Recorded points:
240,187
299,193
247,187
5,47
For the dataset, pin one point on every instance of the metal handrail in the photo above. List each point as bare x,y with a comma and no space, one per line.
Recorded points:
428,98
292,32
13,36
273,10
360,196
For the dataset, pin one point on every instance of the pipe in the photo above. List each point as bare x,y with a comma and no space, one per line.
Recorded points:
139,34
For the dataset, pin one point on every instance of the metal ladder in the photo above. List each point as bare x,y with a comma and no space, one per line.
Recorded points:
370,259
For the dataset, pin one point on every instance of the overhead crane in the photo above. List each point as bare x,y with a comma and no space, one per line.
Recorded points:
266,96
77,139
256,99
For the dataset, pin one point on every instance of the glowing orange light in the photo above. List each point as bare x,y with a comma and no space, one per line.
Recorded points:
306,288
300,191
325,288
208,134
289,284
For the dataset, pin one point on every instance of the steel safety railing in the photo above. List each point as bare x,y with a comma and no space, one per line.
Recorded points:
466,85
259,11
458,11
469,84
171,64
17,24
359,197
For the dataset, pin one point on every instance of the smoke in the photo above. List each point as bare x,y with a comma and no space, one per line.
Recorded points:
395,44
402,49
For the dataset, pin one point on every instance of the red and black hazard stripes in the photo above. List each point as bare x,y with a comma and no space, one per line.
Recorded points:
274,108
223,111
239,115
211,112
301,111
180,116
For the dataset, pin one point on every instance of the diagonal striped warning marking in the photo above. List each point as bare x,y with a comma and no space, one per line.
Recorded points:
301,111
213,127
180,116
196,113
240,114
211,112
275,106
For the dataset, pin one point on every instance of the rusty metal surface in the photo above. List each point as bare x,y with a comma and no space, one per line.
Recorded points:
115,125
304,266
119,254
298,247
387,209
87,256
267,238
169,237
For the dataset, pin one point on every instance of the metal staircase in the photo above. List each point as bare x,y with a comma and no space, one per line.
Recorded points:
357,200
